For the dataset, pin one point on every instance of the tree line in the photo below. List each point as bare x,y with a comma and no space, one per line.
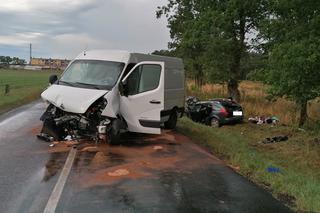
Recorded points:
11,60
226,41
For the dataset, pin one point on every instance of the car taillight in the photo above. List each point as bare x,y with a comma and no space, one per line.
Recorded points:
224,112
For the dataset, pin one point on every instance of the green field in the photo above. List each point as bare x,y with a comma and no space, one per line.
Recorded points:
25,86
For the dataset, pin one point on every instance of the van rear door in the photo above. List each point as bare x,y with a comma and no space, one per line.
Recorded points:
143,99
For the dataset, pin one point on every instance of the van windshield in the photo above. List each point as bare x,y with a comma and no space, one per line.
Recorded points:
92,74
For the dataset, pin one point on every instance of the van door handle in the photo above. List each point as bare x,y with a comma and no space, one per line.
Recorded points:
155,102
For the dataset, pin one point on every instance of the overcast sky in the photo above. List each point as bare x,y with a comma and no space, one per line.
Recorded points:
64,28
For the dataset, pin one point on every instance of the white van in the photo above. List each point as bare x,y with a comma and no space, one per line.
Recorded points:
101,93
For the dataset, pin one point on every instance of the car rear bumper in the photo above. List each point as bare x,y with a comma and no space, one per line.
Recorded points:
235,119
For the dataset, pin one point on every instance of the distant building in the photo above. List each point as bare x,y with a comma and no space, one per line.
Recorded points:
45,63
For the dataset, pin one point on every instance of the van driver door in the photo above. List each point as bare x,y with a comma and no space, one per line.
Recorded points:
143,97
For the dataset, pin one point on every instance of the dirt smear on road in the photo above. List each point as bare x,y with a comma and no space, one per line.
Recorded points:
140,157
36,130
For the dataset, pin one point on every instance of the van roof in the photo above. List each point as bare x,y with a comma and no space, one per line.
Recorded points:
108,55
122,56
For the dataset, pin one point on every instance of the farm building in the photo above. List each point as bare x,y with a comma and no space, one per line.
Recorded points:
50,63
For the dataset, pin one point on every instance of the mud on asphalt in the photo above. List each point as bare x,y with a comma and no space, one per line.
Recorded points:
138,156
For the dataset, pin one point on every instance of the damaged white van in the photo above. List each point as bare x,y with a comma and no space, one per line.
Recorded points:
103,93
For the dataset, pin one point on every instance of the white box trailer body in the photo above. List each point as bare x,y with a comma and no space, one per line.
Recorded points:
152,90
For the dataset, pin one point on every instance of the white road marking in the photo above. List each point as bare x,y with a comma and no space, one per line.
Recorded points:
57,191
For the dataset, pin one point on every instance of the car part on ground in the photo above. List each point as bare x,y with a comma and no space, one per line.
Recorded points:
276,139
215,112
264,120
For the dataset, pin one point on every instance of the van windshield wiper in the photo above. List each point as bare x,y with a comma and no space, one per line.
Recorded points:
67,83
91,85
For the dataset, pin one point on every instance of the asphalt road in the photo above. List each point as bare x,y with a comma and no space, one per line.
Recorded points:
165,173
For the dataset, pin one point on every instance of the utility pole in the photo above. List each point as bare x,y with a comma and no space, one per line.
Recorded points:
30,54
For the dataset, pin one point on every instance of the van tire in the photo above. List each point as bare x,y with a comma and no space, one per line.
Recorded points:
114,133
172,121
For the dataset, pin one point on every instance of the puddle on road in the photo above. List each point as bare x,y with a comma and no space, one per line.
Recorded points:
54,165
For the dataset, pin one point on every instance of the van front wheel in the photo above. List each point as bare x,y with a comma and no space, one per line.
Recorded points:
114,133
172,121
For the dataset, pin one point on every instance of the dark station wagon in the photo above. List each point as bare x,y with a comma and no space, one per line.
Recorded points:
215,112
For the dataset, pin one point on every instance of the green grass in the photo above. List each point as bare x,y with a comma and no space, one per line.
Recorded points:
299,158
25,86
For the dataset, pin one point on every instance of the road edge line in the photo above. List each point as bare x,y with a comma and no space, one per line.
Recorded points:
57,191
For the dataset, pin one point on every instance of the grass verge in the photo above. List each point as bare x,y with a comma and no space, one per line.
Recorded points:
25,86
298,185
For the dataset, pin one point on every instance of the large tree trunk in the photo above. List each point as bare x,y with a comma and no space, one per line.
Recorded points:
303,113
199,77
233,90
233,83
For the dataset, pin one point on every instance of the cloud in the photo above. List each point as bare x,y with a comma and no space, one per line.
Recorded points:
63,28
19,38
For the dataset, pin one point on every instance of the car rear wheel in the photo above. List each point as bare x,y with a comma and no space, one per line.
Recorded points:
215,123
172,122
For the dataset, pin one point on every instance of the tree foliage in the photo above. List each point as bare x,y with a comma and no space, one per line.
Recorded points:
292,31
213,36
8,60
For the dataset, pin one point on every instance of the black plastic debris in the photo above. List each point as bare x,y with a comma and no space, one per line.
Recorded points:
276,139
45,137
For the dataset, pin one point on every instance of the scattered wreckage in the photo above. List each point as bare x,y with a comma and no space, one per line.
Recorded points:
214,112
264,120
103,93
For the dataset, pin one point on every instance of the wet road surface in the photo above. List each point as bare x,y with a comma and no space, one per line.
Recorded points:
165,173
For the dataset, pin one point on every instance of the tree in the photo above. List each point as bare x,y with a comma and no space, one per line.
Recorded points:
164,53
5,59
213,36
293,30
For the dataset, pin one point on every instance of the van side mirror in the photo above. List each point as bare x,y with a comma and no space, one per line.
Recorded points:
123,89
53,79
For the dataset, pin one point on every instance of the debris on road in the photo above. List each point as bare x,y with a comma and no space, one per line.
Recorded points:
71,143
119,172
45,137
52,145
99,159
90,149
158,148
275,139
235,168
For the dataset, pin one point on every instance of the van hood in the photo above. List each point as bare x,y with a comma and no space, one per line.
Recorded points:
72,99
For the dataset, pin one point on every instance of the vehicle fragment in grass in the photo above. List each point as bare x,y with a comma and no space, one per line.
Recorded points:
299,158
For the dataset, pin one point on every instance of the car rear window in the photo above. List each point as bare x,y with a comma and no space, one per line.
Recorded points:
230,105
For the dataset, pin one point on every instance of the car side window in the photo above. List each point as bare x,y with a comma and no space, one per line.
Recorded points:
144,78
216,106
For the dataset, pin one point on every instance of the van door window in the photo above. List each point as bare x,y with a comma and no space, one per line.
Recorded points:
144,78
